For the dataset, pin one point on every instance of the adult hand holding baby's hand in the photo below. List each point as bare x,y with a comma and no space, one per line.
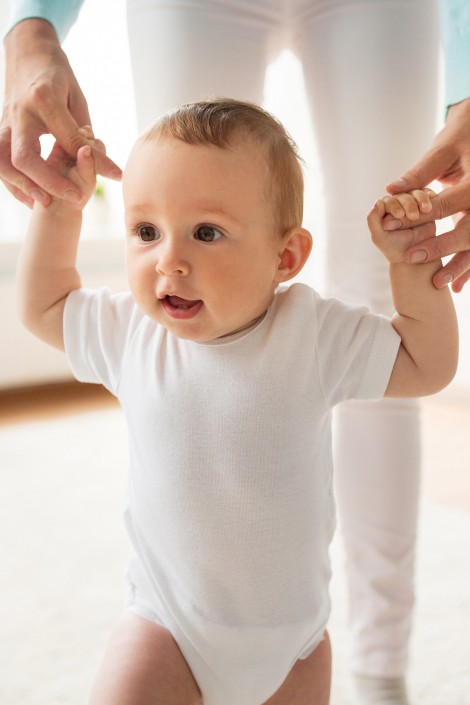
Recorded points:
42,96
408,207
448,161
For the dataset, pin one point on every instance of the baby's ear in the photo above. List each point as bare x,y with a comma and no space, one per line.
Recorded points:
294,249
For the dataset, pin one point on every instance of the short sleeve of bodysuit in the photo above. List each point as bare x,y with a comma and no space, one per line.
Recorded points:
98,326
356,351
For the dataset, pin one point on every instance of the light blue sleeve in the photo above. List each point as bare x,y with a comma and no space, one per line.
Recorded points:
455,31
60,13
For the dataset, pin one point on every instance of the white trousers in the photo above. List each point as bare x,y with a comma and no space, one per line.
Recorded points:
370,69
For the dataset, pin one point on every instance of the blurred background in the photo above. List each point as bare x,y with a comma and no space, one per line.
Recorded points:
63,446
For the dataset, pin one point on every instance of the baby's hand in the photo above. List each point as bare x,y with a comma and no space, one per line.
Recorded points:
409,205
81,171
394,243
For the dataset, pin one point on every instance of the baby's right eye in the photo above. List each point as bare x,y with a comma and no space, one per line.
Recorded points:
147,233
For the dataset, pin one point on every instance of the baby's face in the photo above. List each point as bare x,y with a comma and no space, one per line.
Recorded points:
202,255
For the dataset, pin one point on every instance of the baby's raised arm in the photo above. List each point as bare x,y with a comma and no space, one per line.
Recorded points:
425,317
47,266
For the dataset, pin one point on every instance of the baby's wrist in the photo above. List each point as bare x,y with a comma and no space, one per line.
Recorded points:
425,269
394,258
61,210
390,253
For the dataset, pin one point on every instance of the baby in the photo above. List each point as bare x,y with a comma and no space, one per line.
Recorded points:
227,378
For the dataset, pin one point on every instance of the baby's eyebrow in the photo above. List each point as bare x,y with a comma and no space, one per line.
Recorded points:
140,207
214,209
202,209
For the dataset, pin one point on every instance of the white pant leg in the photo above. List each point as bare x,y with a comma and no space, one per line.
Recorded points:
194,49
371,74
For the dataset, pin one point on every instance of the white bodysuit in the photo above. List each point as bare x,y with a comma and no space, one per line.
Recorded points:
230,509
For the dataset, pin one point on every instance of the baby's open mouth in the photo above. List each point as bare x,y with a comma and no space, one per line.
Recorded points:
176,307
178,302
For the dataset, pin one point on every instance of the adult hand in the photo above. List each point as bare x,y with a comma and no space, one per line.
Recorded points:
42,96
448,161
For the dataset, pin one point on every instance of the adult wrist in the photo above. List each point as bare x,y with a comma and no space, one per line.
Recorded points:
31,30
28,39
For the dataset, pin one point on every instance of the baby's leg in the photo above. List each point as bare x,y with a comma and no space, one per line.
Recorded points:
309,681
143,666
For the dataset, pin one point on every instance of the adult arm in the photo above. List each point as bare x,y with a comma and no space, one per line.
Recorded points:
42,96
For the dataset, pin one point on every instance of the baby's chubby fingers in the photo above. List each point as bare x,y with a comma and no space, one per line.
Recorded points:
406,208
423,198
390,244
394,244
409,205
85,165
98,148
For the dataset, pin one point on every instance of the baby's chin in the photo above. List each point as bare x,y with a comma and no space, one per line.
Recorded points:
213,336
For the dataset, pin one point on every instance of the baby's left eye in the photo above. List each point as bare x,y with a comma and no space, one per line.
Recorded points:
206,233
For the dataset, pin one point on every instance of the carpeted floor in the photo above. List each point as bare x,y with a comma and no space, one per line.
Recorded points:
63,555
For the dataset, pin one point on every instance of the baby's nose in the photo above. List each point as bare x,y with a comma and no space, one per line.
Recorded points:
171,260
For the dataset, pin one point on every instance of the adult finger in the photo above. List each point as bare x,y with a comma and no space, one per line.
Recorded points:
64,124
26,160
48,179
455,272
423,232
19,195
431,166
98,150
71,137
103,165
79,110
454,199
17,183
449,243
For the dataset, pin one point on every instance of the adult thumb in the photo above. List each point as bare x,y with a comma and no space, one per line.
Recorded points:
430,167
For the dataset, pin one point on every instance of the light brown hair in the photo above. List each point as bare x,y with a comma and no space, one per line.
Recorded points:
223,122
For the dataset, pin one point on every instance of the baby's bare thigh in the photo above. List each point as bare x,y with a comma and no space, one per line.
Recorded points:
143,665
309,682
